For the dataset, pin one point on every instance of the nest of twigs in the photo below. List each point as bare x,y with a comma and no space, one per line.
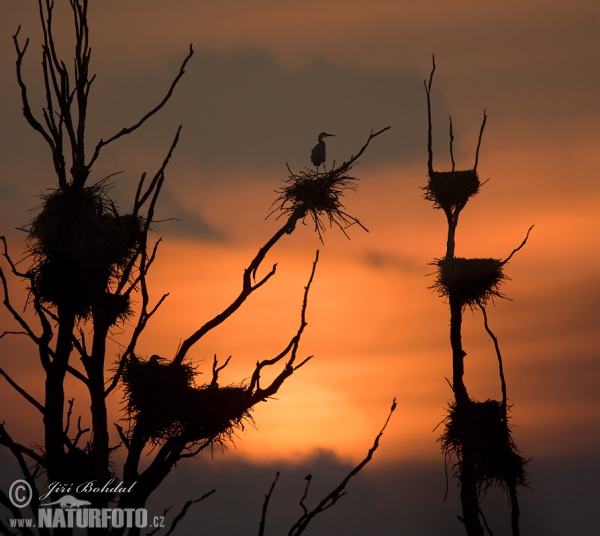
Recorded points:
482,428
318,195
469,281
79,243
164,403
451,189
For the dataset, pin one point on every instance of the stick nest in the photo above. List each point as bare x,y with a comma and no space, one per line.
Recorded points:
80,243
470,281
450,190
319,196
481,428
165,403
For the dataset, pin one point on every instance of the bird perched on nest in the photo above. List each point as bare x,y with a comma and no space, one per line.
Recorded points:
317,156
156,359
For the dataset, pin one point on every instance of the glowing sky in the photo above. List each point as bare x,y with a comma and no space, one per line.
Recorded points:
266,78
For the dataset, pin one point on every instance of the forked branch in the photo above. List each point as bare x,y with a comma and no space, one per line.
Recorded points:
291,349
332,498
129,130
248,287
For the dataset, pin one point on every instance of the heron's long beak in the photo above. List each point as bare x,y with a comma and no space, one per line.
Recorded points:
328,135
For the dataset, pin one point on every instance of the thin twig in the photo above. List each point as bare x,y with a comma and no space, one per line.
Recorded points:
130,129
291,348
69,413
23,393
517,249
185,508
263,517
487,527
451,144
122,435
4,333
499,356
308,479
248,287
80,431
479,140
216,369
429,126
338,492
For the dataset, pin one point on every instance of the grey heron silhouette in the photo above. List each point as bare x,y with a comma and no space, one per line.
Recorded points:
317,156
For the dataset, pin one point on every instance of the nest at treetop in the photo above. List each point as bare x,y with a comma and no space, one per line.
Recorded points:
469,281
80,244
451,189
164,403
481,428
319,194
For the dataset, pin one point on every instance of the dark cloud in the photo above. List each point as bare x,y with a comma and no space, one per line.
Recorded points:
174,219
242,110
406,498
403,498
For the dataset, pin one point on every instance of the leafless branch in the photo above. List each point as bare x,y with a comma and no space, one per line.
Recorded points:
18,451
22,392
129,130
33,122
80,346
429,126
195,449
308,479
346,165
263,517
156,181
291,348
521,246
140,199
216,369
14,312
4,333
122,435
43,340
80,431
142,321
145,262
248,287
185,508
499,356
451,145
69,413
76,374
479,140
485,523
338,492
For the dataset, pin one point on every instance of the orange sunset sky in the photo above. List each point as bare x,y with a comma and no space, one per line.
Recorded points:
265,79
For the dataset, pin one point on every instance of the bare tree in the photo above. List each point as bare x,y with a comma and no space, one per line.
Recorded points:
88,262
477,434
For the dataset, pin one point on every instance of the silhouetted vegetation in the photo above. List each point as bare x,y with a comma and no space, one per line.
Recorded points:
88,261
477,435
